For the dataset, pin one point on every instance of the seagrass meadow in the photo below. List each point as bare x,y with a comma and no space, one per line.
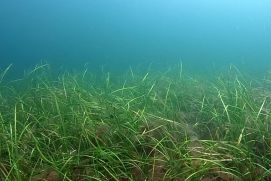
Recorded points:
134,126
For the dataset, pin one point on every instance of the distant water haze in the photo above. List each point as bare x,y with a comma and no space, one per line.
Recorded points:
203,34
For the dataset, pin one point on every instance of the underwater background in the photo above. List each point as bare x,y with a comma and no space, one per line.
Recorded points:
133,90
205,35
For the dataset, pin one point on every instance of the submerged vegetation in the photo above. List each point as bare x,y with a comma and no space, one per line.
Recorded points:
137,126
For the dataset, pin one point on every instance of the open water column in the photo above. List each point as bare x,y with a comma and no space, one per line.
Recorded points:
135,90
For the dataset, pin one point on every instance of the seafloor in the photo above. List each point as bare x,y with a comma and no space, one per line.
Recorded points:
153,125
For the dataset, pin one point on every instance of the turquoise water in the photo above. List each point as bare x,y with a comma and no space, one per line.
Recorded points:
135,90
203,34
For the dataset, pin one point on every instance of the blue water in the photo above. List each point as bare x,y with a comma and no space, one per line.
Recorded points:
203,34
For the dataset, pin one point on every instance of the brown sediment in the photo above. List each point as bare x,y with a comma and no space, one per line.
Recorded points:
137,174
78,173
53,176
47,175
123,178
158,171
101,130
